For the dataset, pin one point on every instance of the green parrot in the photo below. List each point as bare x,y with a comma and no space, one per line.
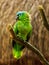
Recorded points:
23,29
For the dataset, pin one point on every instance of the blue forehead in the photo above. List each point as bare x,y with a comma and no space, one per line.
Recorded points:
19,13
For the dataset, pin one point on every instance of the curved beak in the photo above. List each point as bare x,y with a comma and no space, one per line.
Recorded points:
16,17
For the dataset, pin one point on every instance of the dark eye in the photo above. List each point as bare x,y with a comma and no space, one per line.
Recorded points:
17,17
19,14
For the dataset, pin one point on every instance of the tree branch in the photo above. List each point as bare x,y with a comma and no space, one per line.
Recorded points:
45,22
28,45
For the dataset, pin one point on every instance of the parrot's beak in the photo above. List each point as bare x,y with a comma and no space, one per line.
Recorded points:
16,17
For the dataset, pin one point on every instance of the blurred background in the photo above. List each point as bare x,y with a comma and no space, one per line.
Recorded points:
39,38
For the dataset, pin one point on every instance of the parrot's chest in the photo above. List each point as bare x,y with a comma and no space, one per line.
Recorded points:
23,31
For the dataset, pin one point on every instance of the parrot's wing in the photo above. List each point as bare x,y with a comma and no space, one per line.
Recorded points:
15,29
28,37
29,34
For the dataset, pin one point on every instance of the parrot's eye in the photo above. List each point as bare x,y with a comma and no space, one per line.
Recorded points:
19,13
17,17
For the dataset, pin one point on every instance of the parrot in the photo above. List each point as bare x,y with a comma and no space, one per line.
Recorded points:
22,28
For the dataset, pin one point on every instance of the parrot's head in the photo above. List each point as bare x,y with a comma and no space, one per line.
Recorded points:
23,16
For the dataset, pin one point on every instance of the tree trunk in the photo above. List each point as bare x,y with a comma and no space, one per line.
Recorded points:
40,35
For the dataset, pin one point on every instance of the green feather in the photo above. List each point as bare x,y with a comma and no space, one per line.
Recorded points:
21,28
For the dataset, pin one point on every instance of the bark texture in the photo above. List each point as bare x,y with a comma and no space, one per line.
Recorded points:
39,38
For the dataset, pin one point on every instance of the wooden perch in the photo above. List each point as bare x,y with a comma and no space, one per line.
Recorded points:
28,45
45,22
